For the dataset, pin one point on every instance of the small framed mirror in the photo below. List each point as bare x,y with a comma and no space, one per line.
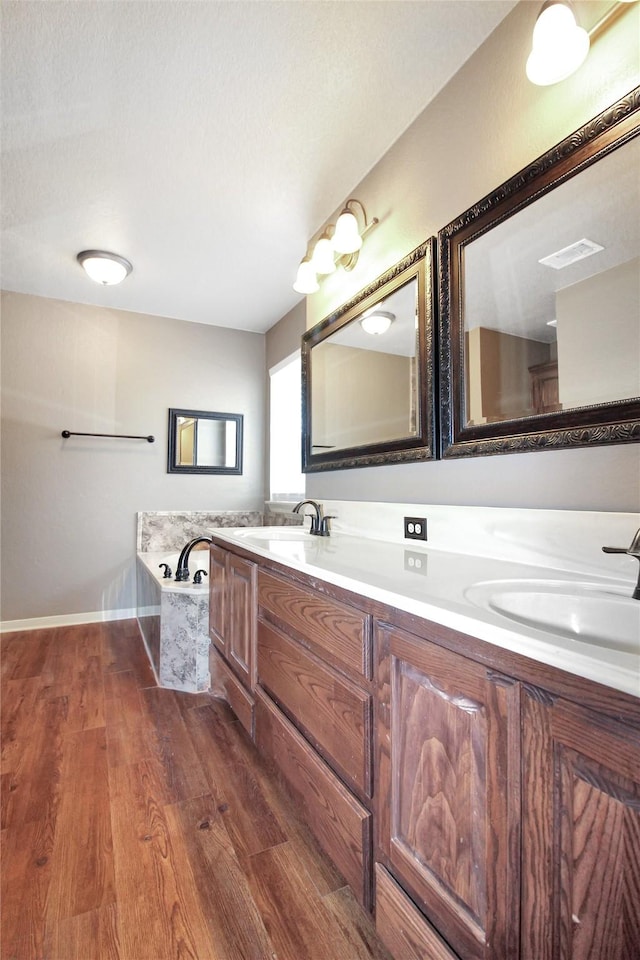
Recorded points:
204,442
540,300
367,373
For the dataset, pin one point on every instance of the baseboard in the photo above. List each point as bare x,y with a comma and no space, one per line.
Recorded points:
67,620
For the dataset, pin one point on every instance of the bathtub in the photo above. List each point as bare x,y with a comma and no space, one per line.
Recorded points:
174,620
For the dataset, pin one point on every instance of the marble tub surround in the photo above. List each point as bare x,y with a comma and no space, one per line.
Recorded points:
468,547
174,621
171,530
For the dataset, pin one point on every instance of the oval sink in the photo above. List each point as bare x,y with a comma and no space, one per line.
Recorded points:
591,613
271,533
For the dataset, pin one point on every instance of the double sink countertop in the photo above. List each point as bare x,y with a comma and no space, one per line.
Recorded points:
585,624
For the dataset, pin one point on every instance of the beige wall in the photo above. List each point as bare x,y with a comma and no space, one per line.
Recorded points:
69,506
359,396
487,124
599,337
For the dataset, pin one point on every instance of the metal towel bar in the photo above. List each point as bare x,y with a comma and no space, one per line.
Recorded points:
119,436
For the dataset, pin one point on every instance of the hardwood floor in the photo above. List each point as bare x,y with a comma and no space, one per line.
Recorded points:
140,823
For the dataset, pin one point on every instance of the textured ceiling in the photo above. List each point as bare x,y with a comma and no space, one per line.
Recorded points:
204,141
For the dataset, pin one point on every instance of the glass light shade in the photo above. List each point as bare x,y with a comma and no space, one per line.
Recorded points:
377,323
322,260
346,238
306,280
559,46
104,268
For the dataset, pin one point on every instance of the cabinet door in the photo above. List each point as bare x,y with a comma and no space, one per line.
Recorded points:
448,792
241,618
217,598
580,833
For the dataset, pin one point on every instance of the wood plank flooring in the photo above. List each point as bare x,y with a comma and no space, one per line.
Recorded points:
140,824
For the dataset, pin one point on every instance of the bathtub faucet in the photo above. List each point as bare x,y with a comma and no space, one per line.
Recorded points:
182,572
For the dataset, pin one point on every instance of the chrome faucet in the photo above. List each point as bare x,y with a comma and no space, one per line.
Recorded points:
319,523
182,571
632,551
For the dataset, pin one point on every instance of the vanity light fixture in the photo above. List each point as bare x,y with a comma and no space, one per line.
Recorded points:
306,280
559,45
338,246
377,322
103,267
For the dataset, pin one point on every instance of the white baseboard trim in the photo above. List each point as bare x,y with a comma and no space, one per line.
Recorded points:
67,620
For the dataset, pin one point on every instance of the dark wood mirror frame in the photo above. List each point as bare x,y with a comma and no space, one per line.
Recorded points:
173,466
420,264
614,422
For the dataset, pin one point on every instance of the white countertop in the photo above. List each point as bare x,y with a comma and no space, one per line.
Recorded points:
451,589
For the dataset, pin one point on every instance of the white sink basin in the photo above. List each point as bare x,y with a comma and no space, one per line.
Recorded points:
260,534
604,616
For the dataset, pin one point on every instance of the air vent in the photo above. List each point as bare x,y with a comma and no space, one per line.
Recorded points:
571,254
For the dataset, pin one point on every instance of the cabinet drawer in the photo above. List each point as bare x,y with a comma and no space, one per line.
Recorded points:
225,684
341,825
338,632
331,711
401,926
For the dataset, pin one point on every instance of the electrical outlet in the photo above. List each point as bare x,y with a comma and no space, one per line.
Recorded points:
416,562
415,528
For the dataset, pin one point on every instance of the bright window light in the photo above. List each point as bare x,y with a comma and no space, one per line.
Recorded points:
285,427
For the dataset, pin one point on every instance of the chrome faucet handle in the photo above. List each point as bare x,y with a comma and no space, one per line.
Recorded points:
324,529
633,550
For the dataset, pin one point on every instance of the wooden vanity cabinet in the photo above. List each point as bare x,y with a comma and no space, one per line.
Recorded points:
580,833
483,805
314,715
447,784
232,630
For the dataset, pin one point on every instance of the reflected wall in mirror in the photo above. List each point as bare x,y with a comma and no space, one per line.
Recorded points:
540,300
204,442
367,373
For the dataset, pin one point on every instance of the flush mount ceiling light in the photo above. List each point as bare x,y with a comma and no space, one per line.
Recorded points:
377,322
338,246
559,45
103,267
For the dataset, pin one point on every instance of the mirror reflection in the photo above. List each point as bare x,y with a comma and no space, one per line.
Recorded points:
364,376
367,373
552,299
540,300
204,442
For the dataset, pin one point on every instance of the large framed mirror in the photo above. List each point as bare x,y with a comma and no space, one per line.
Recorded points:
367,373
540,300
204,442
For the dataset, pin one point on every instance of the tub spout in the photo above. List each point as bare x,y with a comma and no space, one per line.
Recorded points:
182,572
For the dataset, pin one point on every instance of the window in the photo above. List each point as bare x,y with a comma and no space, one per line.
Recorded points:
285,428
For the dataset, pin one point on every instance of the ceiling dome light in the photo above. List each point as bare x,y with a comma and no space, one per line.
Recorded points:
346,237
105,268
323,257
559,45
377,322
306,279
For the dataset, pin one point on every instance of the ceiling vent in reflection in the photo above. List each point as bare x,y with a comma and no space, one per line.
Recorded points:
571,254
